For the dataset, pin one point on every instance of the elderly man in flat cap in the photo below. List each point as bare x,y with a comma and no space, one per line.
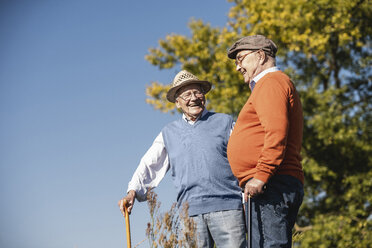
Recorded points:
264,147
193,148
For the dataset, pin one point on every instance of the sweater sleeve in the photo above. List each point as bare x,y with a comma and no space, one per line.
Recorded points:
271,105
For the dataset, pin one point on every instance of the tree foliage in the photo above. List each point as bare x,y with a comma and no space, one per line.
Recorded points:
325,46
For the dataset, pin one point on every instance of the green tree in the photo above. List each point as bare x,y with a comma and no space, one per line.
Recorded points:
325,46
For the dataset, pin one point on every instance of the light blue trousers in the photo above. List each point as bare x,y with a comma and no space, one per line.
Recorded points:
224,228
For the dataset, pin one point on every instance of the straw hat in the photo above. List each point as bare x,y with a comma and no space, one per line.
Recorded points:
182,79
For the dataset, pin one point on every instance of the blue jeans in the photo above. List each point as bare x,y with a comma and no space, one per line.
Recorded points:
225,228
274,212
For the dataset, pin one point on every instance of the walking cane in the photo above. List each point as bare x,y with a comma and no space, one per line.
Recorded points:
127,224
248,208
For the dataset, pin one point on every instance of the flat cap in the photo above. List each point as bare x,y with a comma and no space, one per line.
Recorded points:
253,42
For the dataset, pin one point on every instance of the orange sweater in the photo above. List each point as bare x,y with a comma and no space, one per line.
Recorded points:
267,136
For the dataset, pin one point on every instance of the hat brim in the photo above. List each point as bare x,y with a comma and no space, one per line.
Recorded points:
232,54
171,94
234,51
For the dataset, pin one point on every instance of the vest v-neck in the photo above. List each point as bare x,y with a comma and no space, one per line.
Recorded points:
197,122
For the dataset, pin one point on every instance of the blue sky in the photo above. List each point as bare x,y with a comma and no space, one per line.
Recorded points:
74,122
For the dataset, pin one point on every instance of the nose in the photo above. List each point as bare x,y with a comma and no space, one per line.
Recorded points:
238,67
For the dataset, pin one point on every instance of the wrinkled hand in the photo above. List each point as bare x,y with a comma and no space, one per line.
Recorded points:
127,201
253,187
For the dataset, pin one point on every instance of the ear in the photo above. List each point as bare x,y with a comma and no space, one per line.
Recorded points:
177,104
263,57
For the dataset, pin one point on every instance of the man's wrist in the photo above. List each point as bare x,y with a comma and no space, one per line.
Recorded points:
132,193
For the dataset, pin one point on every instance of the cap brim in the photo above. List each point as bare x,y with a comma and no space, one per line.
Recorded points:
232,54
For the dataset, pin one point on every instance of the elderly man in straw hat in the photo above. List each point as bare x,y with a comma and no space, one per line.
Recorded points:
193,148
264,148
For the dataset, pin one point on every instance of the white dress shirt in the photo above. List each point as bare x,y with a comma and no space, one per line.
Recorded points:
263,73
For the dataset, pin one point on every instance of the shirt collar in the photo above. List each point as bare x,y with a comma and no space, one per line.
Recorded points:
205,111
263,73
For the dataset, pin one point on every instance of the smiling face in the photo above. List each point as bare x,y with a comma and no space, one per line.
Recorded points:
248,64
191,100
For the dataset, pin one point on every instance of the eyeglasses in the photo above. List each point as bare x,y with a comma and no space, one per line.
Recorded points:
188,95
239,60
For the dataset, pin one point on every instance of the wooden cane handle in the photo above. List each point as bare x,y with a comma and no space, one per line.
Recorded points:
127,224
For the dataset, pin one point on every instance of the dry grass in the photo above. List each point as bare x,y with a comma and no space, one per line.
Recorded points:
171,229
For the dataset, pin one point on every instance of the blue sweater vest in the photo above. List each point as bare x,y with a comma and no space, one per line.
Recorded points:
199,166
